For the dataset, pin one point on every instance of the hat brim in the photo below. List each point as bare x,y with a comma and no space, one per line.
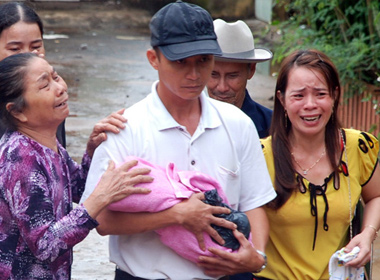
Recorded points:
256,55
182,50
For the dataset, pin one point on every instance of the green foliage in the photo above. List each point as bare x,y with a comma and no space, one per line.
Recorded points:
348,31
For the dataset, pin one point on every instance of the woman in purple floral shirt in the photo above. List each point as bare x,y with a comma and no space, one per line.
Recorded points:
39,181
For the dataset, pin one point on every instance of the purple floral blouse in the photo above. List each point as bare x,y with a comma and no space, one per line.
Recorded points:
38,225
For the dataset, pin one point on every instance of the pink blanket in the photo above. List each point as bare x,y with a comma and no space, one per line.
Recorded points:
169,188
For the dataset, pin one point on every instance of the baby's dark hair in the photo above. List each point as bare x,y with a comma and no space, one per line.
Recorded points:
13,70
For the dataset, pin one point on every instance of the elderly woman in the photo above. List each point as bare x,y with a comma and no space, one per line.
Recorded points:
39,181
319,170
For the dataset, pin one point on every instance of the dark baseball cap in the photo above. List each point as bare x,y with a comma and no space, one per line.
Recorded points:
181,30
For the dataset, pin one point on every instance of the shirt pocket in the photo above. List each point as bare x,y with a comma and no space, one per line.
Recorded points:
230,182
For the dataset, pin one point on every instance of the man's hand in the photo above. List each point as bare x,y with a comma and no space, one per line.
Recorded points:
197,217
112,123
246,259
116,184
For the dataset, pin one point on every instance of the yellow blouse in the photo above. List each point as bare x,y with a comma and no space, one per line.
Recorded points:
293,229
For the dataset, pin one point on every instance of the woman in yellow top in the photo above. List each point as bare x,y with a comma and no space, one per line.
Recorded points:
319,171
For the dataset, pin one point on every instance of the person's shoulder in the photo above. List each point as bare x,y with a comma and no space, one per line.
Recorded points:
221,105
264,109
19,149
250,104
138,116
261,107
138,110
13,139
228,110
234,118
358,134
267,140
351,132
266,143
363,140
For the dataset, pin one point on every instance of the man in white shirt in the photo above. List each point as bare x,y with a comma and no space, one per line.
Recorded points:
178,123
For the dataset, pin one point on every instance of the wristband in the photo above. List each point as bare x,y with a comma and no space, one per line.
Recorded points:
376,231
265,261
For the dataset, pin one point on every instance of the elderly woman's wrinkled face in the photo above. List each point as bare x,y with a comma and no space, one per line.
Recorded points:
21,38
307,101
45,96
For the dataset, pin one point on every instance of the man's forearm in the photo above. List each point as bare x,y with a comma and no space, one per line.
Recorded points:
259,227
119,223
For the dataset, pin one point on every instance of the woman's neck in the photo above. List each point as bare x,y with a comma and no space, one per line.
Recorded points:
45,138
307,143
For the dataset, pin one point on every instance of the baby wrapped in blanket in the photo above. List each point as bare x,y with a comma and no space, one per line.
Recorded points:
171,187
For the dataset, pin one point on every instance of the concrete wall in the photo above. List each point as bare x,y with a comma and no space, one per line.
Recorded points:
228,9
231,9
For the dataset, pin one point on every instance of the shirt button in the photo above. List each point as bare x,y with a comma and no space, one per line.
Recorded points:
192,162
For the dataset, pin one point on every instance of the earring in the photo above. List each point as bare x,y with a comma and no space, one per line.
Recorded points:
286,119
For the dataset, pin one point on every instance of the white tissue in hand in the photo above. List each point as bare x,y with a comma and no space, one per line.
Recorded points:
337,270
346,257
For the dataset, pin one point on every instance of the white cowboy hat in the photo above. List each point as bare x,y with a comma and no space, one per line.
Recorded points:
237,43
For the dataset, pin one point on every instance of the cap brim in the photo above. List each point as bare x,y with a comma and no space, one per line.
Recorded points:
182,50
257,55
